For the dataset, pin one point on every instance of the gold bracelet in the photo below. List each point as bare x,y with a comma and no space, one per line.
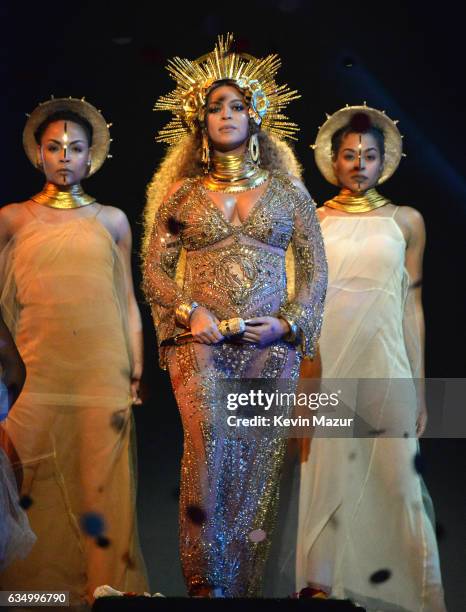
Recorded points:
184,311
292,335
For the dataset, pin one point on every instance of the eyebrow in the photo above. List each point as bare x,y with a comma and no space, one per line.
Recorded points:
222,99
365,150
72,142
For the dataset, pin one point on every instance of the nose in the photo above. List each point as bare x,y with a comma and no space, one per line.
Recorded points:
226,112
360,162
65,158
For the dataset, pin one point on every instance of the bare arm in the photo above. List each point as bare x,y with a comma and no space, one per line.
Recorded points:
413,224
124,242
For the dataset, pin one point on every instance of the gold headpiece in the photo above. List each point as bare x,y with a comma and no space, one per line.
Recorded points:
254,77
392,140
100,137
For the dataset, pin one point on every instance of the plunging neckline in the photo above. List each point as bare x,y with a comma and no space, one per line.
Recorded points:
257,204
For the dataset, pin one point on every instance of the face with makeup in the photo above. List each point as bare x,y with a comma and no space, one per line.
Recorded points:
358,163
64,153
227,120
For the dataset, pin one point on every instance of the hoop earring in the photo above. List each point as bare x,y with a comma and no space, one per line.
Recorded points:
205,152
254,149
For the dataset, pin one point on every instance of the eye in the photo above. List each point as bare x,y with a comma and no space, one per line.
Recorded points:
238,107
213,109
77,149
348,156
371,157
52,148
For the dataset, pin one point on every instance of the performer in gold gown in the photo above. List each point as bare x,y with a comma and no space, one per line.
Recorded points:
68,300
230,206
364,527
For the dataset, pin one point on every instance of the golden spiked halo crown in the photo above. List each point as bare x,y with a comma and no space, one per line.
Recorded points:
255,77
100,138
393,140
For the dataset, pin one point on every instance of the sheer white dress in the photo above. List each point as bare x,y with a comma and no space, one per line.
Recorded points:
363,508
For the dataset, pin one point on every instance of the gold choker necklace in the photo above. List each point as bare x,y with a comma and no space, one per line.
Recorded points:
234,173
63,197
352,202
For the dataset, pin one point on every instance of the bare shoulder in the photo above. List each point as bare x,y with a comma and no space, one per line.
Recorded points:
411,220
11,217
115,220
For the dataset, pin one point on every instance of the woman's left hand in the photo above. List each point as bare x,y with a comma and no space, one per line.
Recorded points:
421,420
135,384
265,330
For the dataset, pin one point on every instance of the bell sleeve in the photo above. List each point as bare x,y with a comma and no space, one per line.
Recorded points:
164,295
305,310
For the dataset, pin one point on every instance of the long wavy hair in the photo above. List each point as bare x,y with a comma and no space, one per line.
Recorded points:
183,160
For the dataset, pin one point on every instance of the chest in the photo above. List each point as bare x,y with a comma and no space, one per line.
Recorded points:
207,218
237,207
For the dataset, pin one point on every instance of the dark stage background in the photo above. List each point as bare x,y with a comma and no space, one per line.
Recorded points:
406,58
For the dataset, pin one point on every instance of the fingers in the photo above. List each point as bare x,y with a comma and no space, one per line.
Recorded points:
257,320
136,400
421,425
250,336
210,335
420,429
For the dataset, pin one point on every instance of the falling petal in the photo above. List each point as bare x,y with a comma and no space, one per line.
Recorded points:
102,542
360,122
174,226
380,576
92,524
258,535
25,502
311,593
196,514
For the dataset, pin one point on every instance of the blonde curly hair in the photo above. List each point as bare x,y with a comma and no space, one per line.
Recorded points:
183,160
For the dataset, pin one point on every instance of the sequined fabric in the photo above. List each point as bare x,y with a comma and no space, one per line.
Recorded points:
229,484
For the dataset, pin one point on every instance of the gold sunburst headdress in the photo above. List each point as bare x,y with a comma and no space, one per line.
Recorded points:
100,128
255,78
342,118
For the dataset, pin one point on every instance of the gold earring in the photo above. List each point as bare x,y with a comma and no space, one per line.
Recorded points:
205,152
254,150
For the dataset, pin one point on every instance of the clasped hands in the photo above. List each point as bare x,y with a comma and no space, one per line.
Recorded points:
259,330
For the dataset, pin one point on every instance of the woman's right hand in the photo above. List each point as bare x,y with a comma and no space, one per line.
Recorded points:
204,326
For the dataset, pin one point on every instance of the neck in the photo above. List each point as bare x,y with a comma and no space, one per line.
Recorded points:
234,172
357,201
63,196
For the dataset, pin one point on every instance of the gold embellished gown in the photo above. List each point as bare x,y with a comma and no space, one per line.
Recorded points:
64,299
235,271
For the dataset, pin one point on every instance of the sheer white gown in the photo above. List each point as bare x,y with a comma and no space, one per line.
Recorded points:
363,508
